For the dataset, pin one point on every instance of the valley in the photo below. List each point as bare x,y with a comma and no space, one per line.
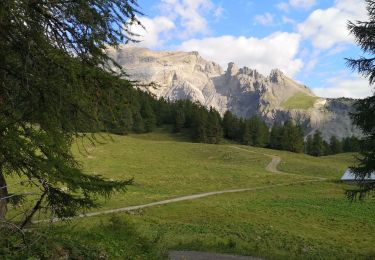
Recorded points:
299,211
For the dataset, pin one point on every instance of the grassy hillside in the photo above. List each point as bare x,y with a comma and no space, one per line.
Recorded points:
299,101
310,220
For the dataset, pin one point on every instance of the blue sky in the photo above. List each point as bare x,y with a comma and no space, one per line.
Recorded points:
306,39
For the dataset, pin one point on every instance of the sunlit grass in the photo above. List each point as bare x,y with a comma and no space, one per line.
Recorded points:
299,101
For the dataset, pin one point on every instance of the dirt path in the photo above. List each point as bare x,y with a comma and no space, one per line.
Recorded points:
178,199
271,167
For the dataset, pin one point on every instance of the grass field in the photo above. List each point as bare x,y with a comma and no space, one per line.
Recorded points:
299,101
307,220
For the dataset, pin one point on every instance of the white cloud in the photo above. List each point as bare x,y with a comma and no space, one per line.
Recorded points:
353,88
219,11
326,28
264,19
262,54
178,19
155,33
189,15
302,3
283,6
288,20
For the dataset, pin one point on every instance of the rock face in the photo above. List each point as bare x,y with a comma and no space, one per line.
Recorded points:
243,91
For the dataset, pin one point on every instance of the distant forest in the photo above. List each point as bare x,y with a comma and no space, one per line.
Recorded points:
142,113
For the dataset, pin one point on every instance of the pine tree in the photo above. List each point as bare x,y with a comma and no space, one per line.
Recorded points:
139,124
317,148
55,79
276,137
258,132
231,126
246,133
335,145
199,125
364,33
148,115
309,145
179,120
213,127
326,148
292,138
127,119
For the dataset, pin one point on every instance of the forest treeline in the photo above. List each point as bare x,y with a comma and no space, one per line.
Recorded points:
142,113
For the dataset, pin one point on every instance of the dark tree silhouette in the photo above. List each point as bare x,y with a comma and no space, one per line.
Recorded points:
55,79
364,33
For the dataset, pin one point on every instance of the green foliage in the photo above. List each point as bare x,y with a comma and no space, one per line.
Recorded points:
148,115
276,137
363,32
55,80
231,126
292,138
317,146
335,145
113,238
214,130
139,124
179,120
303,220
351,144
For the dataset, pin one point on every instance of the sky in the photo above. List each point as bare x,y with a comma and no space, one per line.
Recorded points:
306,39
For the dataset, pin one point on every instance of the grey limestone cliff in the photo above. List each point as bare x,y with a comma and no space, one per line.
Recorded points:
243,91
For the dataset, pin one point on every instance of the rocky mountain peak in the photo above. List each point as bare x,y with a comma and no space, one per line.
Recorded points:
243,91
276,76
232,69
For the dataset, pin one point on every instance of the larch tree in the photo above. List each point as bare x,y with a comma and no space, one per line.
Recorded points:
56,78
364,33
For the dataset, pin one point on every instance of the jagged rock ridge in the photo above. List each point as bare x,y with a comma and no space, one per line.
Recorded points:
243,91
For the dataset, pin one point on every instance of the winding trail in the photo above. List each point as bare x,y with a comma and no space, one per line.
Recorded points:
271,167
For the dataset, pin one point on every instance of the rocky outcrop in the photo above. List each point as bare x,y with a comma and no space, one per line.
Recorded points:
243,91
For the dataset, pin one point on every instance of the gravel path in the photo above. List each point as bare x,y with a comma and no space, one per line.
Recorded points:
192,255
178,199
271,167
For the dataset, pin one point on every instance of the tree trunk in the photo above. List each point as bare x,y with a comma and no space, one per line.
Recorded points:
3,195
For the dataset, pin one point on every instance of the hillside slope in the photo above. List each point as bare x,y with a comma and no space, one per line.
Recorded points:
243,91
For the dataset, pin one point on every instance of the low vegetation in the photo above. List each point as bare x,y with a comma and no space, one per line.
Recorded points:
312,219
299,101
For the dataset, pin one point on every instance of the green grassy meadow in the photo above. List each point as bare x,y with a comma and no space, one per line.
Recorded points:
306,220
299,101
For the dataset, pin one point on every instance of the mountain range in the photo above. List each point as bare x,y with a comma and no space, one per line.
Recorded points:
245,92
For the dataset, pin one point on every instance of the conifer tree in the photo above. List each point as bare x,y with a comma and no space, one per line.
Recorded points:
214,130
292,138
148,115
317,148
276,136
335,145
179,120
326,148
199,125
231,126
309,145
246,133
139,124
55,79
364,33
